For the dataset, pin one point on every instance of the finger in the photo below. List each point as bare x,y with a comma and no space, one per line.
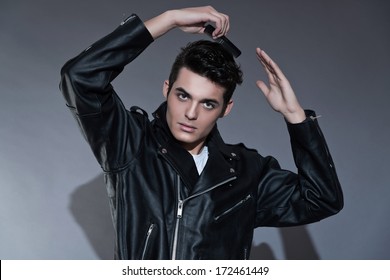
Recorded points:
221,23
266,63
264,58
273,79
267,67
213,16
218,26
226,24
274,68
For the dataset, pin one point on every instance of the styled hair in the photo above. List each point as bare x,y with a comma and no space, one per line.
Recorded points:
210,60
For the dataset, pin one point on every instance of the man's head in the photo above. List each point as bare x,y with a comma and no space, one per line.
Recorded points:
199,90
210,60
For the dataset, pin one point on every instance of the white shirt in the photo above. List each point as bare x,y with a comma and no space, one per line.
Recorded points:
201,159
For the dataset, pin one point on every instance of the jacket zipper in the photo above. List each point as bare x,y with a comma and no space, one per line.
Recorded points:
180,205
121,217
148,234
237,205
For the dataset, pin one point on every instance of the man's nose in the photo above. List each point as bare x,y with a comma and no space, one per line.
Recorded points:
192,111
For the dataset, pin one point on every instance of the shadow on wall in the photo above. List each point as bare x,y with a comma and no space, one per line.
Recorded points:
90,207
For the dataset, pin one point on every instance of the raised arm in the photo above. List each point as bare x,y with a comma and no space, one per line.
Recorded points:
190,20
314,193
86,86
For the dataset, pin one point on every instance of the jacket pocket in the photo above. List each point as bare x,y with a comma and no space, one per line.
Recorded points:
233,208
148,240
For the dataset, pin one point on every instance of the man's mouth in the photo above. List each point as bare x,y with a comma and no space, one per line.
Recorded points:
187,127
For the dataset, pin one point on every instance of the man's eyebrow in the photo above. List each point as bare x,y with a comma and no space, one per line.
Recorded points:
183,91
205,100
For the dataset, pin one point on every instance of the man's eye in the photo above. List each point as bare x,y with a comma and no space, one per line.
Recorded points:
209,105
182,96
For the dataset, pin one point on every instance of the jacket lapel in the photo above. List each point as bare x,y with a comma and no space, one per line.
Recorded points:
220,164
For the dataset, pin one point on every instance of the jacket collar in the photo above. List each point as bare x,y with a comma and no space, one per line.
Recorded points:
219,167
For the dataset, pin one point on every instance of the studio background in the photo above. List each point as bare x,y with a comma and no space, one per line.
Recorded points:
53,203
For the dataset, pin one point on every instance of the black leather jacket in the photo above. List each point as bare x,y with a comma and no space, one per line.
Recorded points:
161,207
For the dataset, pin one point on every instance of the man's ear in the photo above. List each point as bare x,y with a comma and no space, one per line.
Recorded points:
228,108
166,89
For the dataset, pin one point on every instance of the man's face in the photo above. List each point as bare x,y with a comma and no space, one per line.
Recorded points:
194,106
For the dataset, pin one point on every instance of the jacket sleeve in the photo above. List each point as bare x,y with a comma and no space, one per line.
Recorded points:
314,193
112,132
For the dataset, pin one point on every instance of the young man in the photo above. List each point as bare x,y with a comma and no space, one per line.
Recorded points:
177,191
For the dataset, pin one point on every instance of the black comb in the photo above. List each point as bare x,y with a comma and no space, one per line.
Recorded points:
225,42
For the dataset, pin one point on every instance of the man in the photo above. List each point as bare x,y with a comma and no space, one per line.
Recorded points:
177,191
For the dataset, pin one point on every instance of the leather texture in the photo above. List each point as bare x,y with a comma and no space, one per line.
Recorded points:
161,207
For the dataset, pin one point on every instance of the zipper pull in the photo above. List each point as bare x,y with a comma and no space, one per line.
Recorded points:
150,230
180,209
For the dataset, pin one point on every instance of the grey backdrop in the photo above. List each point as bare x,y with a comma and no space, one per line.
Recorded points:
335,53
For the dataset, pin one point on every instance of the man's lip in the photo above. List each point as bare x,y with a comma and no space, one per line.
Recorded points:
187,127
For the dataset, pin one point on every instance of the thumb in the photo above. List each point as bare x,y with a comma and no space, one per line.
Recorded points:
263,87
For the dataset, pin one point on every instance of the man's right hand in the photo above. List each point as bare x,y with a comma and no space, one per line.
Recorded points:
190,20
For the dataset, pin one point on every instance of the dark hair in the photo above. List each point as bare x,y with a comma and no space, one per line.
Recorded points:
210,60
